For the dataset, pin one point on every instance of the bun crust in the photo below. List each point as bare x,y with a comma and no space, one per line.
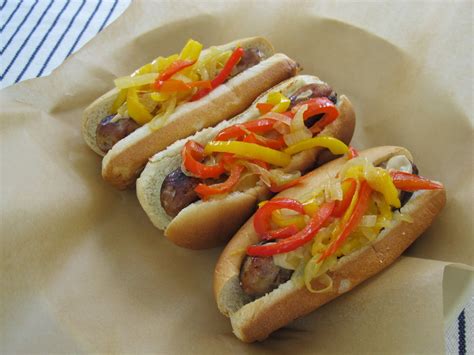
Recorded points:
255,320
206,224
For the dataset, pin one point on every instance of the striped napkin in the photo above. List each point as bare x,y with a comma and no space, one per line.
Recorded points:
38,35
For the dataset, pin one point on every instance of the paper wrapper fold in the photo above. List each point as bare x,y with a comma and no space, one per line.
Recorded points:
84,270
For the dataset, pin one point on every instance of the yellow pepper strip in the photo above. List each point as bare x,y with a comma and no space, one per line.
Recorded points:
159,96
135,109
385,212
351,207
355,172
191,51
222,58
262,203
161,63
146,69
380,180
333,144
280,101
285,221
310,207
121,97
126,82
249,150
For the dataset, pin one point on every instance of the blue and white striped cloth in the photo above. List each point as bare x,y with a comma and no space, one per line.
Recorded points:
38,35
459,334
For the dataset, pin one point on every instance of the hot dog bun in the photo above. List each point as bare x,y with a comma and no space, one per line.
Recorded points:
206,224
255,320
124,162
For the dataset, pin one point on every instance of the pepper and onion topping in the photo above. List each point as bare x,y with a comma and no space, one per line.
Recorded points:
343,215
262,147
153,91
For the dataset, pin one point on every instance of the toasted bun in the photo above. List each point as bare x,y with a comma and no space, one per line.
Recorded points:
255,320
206,224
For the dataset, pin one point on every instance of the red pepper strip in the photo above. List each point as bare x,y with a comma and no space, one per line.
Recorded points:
353,221
228,158
348,187
173,68
278,188
240,130
229,65
317,106
281,233
204,191
264,107
353,153
200,94
206,84
266,142
298,239
223,75
410,182
192,154
262,218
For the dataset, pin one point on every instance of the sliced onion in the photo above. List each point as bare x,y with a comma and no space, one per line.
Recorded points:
147,101
246,181
298,131
242,127
183,78
333,190
292,259
123,110
278,117
298,136
264,174
314,270
279,177
125,82
359,161
276,176
281,128
297,123
369,233
327,281
368,221
402,217
167,109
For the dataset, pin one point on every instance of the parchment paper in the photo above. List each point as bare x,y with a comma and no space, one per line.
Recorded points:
84,270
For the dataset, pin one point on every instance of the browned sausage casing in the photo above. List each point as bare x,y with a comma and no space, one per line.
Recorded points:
109,132
260,275
177,192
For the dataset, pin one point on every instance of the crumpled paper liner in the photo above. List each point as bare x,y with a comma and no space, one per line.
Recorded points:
84,270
